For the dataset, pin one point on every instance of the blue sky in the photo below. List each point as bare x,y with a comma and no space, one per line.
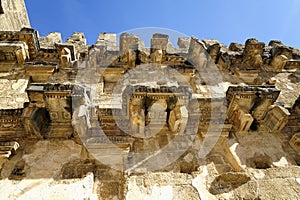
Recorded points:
224,20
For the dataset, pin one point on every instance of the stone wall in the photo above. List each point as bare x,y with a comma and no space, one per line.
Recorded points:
207,184
53,122
126,121
13,15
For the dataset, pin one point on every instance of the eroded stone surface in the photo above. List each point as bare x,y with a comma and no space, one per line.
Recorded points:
48,189
13,15
202,121
13,95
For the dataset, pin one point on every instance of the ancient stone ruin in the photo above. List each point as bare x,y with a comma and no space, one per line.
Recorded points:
120,120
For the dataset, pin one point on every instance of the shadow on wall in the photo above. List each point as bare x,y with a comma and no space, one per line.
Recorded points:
1,8
261,151
228,181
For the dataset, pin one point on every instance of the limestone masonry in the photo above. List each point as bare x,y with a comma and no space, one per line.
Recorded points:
125,121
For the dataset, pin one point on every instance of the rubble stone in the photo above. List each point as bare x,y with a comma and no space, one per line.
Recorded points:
125,121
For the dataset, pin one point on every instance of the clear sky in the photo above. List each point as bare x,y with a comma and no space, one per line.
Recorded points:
224,20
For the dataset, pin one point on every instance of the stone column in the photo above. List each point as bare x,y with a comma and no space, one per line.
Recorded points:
137,116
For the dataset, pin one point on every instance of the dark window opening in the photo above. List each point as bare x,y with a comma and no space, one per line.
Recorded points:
1,8
255,125
171,104
41,118
168,110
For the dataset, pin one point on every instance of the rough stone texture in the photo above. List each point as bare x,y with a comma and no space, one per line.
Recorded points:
33,172
13,93
13,15
161,186
206,184
202,121
48,189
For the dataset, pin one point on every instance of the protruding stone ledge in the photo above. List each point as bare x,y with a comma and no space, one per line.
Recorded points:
13,53
8,149
40,72
292,64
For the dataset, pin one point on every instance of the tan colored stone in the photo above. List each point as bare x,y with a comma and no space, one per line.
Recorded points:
13,15
295,142
276,118
158,116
